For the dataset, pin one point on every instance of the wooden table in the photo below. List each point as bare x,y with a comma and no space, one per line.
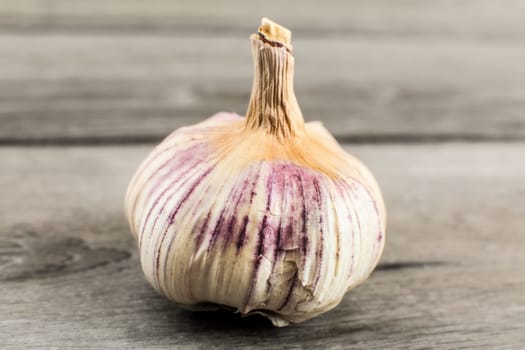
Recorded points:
431,95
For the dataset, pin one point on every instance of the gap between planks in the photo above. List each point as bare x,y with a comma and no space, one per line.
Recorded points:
372,139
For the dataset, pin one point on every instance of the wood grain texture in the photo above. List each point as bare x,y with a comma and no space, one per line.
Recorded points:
111,87
451,277
482,19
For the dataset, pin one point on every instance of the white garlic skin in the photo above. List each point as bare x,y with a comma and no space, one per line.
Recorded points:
272,237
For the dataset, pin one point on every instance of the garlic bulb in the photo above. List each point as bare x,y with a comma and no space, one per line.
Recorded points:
263,214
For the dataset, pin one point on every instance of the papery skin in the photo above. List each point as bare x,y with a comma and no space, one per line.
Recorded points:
274,236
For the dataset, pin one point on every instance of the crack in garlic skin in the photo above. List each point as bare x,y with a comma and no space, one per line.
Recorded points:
255,225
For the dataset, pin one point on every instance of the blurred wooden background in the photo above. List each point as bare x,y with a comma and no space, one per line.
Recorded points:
430,94
370,70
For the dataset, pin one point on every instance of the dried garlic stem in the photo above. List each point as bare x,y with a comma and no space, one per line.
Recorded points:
273,106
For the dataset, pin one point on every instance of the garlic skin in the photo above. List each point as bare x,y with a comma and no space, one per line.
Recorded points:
263,214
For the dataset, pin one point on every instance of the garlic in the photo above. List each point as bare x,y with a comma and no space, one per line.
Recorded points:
264,214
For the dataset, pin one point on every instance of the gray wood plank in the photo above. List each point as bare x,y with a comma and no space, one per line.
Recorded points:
451,277
86,87
483,19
